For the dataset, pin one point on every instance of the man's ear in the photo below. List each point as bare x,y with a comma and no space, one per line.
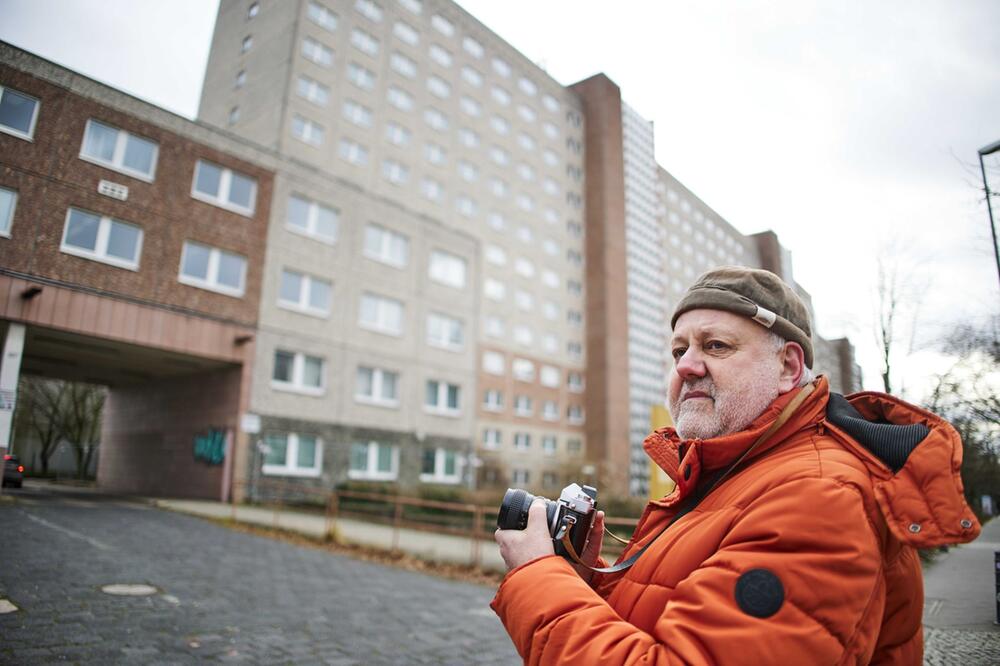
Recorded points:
793,364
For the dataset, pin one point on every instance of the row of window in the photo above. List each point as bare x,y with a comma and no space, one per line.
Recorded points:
300,454
523,370
132,155
493,440
524,406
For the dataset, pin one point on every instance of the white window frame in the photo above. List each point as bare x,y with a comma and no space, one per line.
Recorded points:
524,406
360,76
549,445
321,15
395,172
550,410
291,455
317,53
298,371
212,284
307,131
384,255
302,305
473,47
30,134
383,304
403,65
448,269
440,55
492,438
549,376
312,218
356,113
447,324
440,408
440,463
493,400
225,182
522,441
406,33
399,98
371,472
369,10
575,415
365,42
6,225
99,253
523,370
397,135
494,289
575,382
494,363
443,25
116,163
377,381
352,152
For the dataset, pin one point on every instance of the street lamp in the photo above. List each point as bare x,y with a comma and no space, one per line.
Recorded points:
987,150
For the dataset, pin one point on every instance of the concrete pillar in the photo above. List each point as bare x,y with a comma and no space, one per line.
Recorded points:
10,373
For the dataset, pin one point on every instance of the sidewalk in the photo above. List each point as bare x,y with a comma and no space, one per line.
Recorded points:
425,545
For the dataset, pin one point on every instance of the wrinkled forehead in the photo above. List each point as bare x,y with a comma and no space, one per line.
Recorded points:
702,321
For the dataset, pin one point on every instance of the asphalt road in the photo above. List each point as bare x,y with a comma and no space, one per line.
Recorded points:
220,595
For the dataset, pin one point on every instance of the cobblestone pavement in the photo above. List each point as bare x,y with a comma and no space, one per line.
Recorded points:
954,647
222,595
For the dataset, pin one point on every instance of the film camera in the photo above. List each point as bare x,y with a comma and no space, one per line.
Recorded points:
572,513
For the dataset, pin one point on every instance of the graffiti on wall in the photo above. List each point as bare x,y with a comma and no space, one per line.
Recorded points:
211,448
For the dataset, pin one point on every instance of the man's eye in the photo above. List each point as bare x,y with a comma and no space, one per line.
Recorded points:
715,345
678,352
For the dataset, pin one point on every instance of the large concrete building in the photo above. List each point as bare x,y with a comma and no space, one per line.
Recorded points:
457,271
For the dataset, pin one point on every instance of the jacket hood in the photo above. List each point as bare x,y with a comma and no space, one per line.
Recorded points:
913,457
915,460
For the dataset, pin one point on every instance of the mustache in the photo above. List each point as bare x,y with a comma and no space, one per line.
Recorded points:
702,384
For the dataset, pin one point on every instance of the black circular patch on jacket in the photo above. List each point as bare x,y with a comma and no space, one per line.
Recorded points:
759,593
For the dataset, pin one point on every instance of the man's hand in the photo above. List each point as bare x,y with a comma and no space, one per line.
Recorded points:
519,547
593,548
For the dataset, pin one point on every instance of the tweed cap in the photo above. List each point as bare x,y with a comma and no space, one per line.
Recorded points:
758,294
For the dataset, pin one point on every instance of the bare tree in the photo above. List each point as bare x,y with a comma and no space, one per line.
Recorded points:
898,284
40,405
81,422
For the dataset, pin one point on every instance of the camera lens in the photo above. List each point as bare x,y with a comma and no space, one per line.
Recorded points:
513,513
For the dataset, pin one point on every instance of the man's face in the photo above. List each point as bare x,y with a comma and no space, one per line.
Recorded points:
726,372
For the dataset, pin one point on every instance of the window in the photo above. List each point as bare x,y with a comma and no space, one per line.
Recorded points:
527,86
574,287
438,87
413,6
8,201
550,310
550,279
494,289
316,52
549,376
386,246
549,479
551,159
440,55
357,114
549,443
442,398
499,188
399,98
312,218
575,382
406,33
550,343
519,477
304,293
443,25
224,188
523,336
447,269
435,119
522,441
322,16
312,90
306,130
550,246
492,438
435,154
575,350
374,461
527,113
501,67
381,314
496,221
550,131
241,79
247,44
495,255
575,414
468,171
353,152
523,370
119,150
472,47
444,332
523,406
526,172
494,327
550,103
468,138
526,141
253,10
550,411
500,95
395,172
18,113
431,189
493,400
472,76
574,446
369,10
397,134
525,235
364,42
376,386
574,257
94,236
574,318
403,65
298,372
360,76
493,363
293,455
439,466
213,269
524,268
550,186
499,155
499,125
470,106
524,301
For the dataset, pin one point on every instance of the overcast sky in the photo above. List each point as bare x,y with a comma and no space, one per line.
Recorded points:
843,127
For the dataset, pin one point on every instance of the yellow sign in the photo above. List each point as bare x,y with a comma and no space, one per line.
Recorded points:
660,484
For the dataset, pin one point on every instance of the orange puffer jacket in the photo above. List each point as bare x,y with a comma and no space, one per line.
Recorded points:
804,554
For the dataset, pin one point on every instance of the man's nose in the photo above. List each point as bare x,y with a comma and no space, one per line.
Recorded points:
691,365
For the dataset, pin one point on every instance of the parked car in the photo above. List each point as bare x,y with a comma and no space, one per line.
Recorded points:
13,471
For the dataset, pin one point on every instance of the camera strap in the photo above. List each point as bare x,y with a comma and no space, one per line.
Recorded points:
698,496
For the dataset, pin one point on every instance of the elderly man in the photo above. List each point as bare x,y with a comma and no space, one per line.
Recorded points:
791,536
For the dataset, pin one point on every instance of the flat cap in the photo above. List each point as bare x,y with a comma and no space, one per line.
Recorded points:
758,294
